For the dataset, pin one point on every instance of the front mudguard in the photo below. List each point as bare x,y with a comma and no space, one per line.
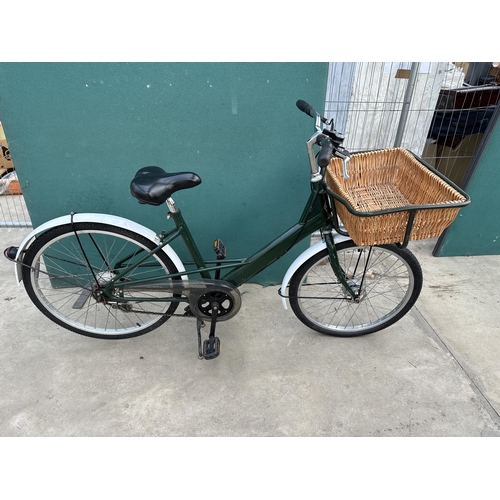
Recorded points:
303,257
112,220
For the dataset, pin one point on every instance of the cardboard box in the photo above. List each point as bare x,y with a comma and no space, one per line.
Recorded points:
14,187
6,164
464,66
454,163
430,153
495,71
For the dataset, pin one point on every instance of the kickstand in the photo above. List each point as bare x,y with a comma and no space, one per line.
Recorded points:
199,325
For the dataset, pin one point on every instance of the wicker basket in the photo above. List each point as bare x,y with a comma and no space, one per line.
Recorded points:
396,182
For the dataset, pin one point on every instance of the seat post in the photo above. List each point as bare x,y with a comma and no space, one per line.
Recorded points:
172,207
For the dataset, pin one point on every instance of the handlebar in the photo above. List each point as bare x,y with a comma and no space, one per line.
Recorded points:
305,107
309,110
329,139
326,153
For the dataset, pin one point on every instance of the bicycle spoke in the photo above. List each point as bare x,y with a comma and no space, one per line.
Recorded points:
72,273
381,278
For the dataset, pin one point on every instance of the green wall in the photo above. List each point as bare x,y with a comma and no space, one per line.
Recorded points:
79,131
476,230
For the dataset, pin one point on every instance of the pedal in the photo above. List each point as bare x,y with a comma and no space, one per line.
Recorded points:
219,249
211,348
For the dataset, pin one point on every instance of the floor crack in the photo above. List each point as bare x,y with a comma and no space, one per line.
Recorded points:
429,330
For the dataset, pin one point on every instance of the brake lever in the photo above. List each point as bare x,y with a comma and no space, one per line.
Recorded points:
344,167
345,157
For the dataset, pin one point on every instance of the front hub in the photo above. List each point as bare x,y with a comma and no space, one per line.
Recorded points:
356,288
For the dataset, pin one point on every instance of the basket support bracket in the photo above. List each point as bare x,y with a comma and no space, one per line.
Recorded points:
409,226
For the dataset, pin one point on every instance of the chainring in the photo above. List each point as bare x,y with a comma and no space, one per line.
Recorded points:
225,303
227,297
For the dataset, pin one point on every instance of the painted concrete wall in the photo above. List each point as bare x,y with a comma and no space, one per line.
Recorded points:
79,131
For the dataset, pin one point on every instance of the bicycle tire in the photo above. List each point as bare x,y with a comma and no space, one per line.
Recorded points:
61,280
389,287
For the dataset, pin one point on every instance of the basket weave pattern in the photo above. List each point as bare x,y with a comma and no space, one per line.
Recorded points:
391,179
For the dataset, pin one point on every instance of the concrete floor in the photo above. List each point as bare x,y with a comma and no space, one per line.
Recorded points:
434,373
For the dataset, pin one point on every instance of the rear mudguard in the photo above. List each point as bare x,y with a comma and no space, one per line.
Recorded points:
312,250
112,220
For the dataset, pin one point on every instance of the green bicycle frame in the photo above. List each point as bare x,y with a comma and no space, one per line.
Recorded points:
316,215
319,214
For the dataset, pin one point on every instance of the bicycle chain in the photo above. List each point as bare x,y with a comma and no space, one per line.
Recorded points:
185,315
162,314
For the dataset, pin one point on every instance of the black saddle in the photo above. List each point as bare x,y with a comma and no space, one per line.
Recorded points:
152,185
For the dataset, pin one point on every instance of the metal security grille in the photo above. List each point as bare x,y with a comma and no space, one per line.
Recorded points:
438,110
13,211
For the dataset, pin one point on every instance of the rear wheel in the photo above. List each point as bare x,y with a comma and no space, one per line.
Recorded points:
388,278
67,274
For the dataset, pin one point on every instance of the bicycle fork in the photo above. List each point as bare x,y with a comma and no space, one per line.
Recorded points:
337,269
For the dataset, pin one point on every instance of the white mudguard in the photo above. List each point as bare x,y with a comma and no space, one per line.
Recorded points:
112,220
312,250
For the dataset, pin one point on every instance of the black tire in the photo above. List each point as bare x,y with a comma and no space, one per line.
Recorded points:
63,286
390,287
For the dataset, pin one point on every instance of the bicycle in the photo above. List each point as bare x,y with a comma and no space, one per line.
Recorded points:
104,276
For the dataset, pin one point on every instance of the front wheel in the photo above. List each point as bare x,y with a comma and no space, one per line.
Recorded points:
387,278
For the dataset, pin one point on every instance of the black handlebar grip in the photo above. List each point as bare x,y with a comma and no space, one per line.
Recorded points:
305,107
326,153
